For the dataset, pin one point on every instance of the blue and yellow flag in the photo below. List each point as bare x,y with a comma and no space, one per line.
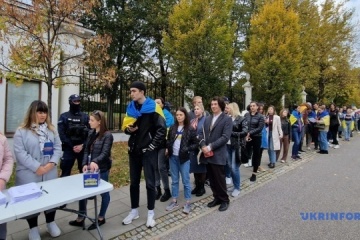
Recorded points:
325,117
132,114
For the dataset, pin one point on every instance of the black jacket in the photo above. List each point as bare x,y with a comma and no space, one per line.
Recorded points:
100,150
73,129
150,135
239,131
256,123
189,142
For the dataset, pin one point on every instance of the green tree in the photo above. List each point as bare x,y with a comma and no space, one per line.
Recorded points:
273,57
199,40
36,38
326,39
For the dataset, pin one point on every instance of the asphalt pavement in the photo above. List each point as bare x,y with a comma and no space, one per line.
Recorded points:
328,184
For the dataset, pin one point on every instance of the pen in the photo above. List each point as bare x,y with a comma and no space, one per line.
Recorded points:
7,203
45,191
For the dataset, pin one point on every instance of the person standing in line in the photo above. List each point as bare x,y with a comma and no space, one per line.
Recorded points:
323,123
216,133
348,123
162,171
285,140
239,131
275,134
255,122
334,126
6,168
73,127
37,149
97,157
315,135
181,140
195,101
197,168
297,125
145,123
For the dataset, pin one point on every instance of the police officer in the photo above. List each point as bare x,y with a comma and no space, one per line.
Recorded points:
73,127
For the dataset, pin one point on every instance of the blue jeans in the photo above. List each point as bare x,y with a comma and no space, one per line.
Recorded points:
233,166
296,136
184,170
105,199
271,151
347,130
323,140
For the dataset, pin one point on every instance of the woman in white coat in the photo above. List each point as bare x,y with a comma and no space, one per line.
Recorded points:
37,149
274,132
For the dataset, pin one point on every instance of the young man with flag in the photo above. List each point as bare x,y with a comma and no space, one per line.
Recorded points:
145,123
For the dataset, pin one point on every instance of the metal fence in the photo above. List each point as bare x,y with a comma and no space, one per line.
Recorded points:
95,98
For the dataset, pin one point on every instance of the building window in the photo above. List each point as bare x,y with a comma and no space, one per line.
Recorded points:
18,99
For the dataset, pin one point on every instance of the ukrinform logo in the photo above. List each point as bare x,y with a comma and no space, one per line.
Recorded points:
330,216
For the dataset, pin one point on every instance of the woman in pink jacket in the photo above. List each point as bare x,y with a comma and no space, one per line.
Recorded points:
6,166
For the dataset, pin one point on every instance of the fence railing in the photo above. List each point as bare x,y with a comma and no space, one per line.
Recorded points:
114,107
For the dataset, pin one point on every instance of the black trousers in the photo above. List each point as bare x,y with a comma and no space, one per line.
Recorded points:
68,160
148,161
216,174
334,132
255,146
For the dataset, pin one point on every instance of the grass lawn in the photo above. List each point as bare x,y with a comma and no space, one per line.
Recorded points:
119,173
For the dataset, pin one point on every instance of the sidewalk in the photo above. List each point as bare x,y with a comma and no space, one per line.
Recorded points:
166,221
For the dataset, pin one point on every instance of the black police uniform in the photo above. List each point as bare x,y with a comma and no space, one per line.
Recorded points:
73,127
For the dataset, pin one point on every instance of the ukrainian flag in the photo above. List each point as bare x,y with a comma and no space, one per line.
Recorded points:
132,114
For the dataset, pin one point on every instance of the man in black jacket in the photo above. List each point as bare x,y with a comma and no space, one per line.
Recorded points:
145,123
217,130
73,127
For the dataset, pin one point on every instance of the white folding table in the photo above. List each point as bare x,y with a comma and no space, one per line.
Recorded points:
56,193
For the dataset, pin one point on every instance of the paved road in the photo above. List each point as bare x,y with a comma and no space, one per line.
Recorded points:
328,183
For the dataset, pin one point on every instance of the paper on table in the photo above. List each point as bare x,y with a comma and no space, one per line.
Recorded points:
2,198
24,192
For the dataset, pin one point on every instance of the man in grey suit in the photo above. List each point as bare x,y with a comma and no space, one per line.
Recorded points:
217,132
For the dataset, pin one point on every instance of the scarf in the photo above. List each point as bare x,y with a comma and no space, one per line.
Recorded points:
42,131
132,113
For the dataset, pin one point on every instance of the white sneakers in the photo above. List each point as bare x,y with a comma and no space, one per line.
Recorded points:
249,164
34,234
336,146
134,214
150,220
235,193
53,229
228,181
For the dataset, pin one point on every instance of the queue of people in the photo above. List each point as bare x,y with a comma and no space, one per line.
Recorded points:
211,146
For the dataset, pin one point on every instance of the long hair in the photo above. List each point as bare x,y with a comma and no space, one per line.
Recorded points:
271,106
100,116
234,109
31,118
282,111
186,120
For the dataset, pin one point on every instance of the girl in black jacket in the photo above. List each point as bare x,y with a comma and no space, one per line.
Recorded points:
181,140
97,156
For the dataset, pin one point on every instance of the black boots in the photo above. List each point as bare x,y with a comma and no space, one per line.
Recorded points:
201,191
166,196
158,193
196,189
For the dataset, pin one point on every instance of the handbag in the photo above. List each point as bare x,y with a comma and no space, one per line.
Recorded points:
241,152
208,154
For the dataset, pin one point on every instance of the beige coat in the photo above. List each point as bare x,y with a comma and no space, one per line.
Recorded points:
277,132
